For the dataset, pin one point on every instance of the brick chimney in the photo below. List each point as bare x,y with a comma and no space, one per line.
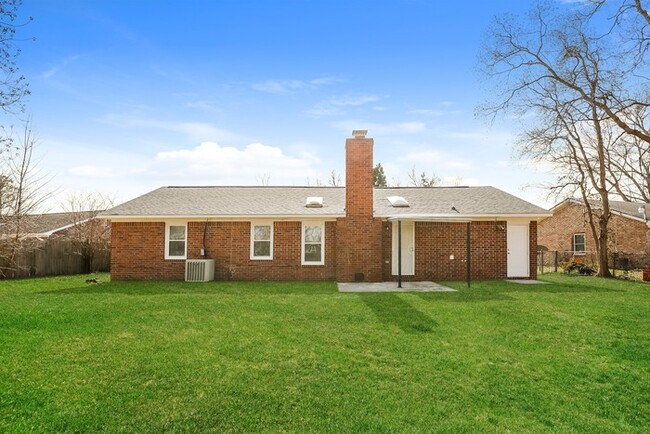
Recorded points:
358,174
359,234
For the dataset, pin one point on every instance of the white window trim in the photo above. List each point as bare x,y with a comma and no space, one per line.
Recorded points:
573,241
168,225
252,244
302,242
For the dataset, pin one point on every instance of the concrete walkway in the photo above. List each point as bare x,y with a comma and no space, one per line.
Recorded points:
392,287
527,281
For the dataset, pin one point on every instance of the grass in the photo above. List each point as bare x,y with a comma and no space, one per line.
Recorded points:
570,356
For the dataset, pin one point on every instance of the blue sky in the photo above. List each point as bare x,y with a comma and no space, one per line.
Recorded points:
131,95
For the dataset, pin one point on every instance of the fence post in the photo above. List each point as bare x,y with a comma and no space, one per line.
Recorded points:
542,252
555,261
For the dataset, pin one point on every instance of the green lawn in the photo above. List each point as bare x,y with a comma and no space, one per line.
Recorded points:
572,356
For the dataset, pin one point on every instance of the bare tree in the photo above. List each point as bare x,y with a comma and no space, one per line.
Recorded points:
334,179
25,188
13,85
582,91
422,180
91,235
629,166
264,179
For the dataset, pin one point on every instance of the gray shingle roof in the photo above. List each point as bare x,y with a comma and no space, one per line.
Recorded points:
233,202
631,209
626,209
43,225
251,202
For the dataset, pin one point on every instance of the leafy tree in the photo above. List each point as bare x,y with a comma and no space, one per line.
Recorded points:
378,176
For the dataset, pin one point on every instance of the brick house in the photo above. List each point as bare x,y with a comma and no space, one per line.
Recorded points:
350,233
568,228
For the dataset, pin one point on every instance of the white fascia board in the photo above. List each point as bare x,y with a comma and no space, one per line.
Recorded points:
463,217
247,218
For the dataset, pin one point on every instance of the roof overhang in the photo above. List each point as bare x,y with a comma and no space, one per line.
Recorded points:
202,218
460,218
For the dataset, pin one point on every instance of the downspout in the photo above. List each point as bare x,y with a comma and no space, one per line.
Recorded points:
399,253
469,257
205,229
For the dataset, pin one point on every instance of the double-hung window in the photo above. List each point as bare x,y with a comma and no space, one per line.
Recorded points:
175,241
262,240
313,243
579,245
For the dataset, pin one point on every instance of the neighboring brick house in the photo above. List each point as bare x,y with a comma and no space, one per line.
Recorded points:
327,233
568,228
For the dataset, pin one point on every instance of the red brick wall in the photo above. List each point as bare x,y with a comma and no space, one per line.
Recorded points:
228,243
435,242
625,235
138,251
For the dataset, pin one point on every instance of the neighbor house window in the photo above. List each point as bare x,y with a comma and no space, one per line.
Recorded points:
313,243
262,240
175,241
579,246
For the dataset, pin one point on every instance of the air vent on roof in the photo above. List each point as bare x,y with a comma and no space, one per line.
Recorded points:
314,202
398,201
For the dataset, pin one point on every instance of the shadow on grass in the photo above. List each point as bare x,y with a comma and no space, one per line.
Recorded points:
391,309
204,288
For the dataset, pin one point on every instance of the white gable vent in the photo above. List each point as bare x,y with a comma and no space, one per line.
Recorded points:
314,202
398,201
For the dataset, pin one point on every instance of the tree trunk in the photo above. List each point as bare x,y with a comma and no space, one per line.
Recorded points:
603,252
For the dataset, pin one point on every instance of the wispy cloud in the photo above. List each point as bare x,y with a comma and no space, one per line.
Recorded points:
412,127
91,171
55,69
198,131
434,157
281,87
336,105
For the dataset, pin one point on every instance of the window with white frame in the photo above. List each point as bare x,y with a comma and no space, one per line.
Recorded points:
579,245
262,240
175,241
313,243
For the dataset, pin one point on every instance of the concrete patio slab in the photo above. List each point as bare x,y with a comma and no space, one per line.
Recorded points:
392,287
527,281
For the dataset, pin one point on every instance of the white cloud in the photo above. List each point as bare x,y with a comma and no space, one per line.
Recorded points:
53,70
231,165
280,87
434,157
91,171
336,104
382,128
435,112
197,131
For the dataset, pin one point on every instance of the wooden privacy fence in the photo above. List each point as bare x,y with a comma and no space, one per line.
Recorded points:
56,257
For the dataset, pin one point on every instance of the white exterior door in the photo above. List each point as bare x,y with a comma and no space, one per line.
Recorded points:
408,248
518,251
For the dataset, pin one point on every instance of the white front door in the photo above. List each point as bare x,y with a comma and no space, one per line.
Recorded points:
518,252
408,248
